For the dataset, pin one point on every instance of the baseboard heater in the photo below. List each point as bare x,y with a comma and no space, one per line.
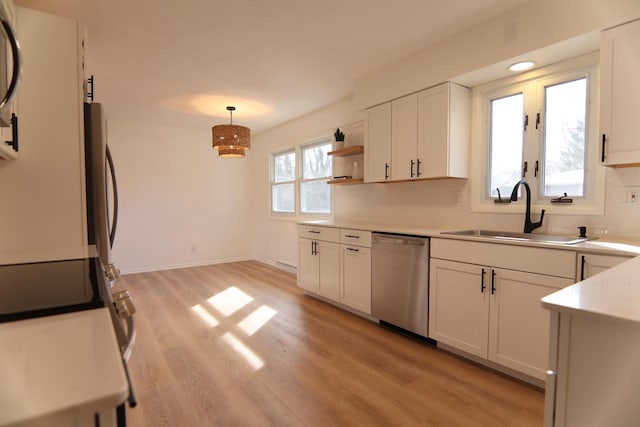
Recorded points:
286,267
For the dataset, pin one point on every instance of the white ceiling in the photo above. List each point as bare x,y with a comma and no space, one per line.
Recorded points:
151,58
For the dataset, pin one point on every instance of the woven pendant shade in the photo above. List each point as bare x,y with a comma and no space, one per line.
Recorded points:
231,140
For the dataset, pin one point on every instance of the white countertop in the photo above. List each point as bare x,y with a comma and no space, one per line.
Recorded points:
66,365
609,245
613,294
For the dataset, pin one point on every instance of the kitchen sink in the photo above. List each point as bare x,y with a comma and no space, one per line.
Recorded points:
525,237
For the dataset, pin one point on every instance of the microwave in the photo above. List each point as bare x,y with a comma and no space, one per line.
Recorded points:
10,69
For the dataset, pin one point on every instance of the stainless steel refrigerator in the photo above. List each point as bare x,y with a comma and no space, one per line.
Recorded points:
102,221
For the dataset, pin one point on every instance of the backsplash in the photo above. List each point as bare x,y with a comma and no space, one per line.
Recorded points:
446,204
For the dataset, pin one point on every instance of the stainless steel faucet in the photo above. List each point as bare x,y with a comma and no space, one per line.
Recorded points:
528,225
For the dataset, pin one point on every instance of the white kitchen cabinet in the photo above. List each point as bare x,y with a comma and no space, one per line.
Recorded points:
404,137
377,143
491,310
420,136
620,95
319,267
444,131
589,264
355,277
518,325
459,305
43,208
336,264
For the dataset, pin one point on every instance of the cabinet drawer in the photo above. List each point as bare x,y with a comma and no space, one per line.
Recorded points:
355,237
552,262
327,234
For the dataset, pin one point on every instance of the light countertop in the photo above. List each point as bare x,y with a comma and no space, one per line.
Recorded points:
613,294
609,245
62,366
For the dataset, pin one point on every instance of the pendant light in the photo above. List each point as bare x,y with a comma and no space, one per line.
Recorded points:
231,140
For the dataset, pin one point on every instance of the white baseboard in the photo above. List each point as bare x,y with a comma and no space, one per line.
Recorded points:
183,265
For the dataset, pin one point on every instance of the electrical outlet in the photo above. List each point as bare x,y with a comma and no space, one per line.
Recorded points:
633,197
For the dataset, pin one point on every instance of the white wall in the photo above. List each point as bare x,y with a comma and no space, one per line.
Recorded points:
175,192
275,237
534,25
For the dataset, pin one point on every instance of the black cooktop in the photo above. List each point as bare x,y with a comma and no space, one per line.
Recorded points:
47,288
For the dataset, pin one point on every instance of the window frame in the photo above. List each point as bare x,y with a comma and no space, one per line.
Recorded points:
298,151
595,174
273,183
302,180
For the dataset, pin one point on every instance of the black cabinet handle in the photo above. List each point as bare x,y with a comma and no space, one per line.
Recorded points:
604,138
482,286
412,163
314,232
352,236
525,167
353,250
582,262
14,133
493,281
418,168
535,169
386,171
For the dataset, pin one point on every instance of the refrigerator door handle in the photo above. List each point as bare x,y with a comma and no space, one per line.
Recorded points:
114,184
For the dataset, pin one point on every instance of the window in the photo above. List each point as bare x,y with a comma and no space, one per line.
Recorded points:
539,127
283,180
317,169
309,179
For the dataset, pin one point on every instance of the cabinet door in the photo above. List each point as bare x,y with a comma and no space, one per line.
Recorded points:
590,265
355,284
307,265
377,140
444,120
459,305
519,326
620,94
433,138
404,137
328,255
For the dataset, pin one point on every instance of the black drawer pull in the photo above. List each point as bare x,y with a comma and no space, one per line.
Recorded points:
353,250
352,236
314,232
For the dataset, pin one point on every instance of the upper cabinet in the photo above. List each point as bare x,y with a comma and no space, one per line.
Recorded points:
404,137
620,95
444,120
377,140
420,136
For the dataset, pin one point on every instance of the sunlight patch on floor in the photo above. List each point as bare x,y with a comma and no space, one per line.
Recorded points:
244,351
230,300
205,315
256,320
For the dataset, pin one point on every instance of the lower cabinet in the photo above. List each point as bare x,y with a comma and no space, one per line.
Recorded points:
319,267
338,268
493,313
355,277
490,307
590,264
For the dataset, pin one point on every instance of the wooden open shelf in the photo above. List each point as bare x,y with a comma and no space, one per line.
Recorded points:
349,181
347,151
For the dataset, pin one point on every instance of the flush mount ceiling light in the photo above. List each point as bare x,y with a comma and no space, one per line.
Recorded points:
231,140
521,66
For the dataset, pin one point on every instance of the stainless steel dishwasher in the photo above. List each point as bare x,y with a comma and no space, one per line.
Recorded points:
400,281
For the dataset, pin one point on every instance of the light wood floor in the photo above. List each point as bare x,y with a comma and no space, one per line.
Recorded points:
309,364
